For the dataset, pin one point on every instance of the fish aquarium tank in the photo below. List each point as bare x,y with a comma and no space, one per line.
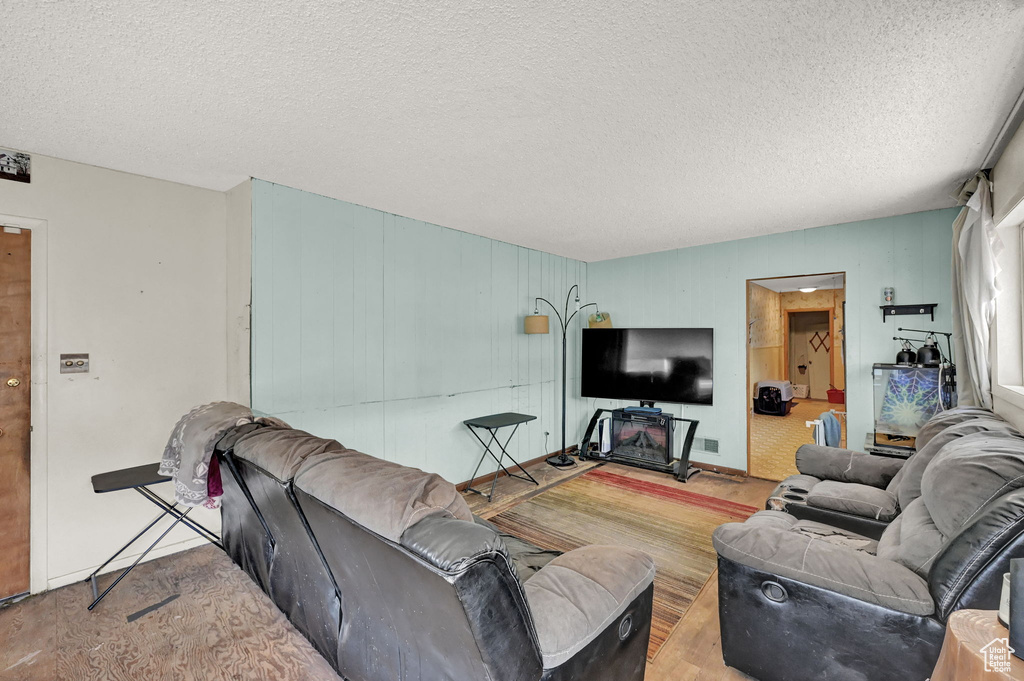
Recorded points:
905,397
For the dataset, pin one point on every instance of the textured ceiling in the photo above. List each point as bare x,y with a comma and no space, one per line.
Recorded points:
590,128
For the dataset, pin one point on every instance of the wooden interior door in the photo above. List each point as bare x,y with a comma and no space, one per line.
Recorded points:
15,408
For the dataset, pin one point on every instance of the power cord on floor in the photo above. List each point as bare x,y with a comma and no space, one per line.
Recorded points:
575,463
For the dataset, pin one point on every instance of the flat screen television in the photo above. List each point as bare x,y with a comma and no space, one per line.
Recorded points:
650,365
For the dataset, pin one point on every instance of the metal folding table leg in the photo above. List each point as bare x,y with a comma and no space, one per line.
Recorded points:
204,532
92,578
137,560
505,453
487,450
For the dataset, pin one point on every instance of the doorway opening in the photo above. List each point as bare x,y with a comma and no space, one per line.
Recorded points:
796,368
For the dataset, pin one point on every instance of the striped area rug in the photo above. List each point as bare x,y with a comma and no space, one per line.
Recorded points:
670,524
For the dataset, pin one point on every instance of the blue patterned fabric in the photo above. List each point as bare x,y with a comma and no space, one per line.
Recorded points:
911,398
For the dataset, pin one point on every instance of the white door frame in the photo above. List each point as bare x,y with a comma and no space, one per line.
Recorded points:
37,438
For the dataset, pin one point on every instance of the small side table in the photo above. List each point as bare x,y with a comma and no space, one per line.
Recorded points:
976,649
139,478
491,424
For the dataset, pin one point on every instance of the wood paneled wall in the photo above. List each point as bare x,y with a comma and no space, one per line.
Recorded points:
385,333
766,336
706,286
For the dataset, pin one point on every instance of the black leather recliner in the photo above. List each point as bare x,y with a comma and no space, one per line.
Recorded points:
386,572
803,600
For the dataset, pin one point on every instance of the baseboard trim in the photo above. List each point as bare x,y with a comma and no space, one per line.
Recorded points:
718,469
483,479
122,562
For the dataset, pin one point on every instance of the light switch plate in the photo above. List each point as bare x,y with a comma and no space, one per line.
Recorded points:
75,363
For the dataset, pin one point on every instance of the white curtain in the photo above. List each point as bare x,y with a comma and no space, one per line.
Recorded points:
976,246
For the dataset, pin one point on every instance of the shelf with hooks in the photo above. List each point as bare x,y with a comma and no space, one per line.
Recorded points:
918,308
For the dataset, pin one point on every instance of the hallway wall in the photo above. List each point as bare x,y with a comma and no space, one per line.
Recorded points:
834,298
816,359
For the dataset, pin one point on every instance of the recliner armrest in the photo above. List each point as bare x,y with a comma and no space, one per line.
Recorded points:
451,544
580,593
829,566
855,499
847,465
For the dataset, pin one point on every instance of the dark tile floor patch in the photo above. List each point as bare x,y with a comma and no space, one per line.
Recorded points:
145,611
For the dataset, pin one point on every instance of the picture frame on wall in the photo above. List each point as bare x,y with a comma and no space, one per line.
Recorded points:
15,166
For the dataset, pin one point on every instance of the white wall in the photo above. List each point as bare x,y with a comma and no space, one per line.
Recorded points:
239,290
136,277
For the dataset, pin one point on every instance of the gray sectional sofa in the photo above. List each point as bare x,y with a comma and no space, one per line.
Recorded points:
861,492
387,573
802,599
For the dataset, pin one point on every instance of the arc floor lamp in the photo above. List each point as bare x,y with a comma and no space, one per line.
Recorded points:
538,324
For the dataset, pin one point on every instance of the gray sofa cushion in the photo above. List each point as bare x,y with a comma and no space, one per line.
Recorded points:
808,559
912,539
967,474
889,542
854,499
846,465
578,594
949,417
835,536
909,478
382,496
280,451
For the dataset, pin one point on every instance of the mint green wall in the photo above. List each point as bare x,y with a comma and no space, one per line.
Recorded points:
705,286
385,333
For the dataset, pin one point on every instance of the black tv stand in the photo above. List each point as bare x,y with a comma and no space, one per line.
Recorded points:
679,468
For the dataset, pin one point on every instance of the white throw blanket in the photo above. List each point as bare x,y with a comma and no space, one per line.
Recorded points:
189,450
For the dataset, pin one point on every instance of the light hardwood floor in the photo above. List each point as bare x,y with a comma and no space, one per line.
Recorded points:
220,626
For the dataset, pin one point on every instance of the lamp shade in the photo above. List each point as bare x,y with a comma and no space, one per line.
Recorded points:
535,323
600,320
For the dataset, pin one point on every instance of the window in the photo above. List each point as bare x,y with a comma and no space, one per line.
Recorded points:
1007,342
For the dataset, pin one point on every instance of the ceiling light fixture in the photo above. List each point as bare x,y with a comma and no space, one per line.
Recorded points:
809,289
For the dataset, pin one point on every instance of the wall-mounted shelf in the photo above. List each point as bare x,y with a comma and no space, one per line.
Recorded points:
919,308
